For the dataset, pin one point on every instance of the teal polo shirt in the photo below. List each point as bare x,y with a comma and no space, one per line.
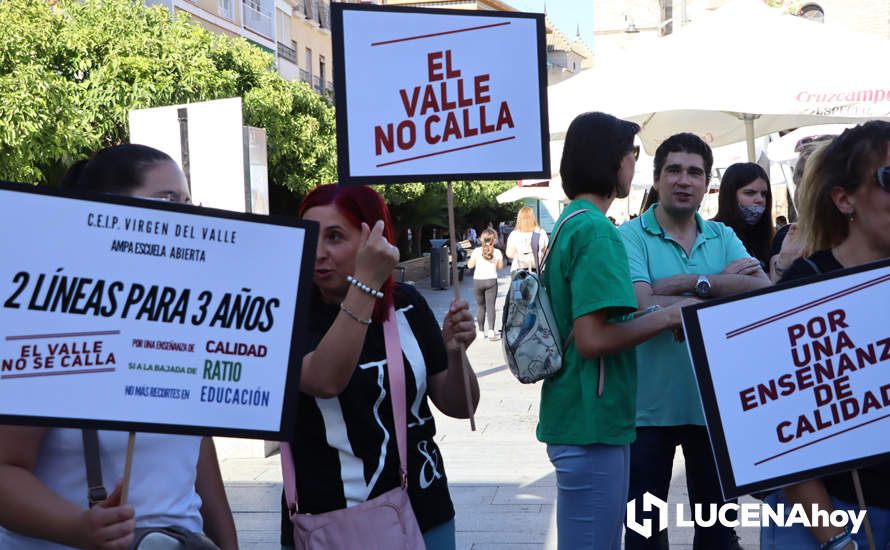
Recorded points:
667,394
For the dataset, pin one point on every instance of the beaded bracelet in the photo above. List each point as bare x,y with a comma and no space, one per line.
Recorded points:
355,317
363,287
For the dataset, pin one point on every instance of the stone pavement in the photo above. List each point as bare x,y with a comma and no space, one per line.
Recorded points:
502,483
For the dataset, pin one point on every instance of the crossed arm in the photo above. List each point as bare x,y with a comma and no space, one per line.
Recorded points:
740,275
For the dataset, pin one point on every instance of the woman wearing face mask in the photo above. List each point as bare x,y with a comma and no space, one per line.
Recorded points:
745,204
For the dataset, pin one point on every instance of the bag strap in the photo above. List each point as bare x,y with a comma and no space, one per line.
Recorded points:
812,264
288,477
96,492
543,265
536,247
396,369
556,233
395,366
601,384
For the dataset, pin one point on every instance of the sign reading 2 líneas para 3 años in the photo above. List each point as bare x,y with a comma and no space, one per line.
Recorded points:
130,314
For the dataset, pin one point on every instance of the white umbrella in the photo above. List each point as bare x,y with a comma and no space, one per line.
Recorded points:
742,71
552,191
783,149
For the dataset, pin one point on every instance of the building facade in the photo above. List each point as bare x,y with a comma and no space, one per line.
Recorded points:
296,32
619,26
862,16
249,19
303,42
565,57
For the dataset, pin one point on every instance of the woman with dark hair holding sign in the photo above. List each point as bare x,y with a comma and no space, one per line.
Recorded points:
845,222
176,479
346,447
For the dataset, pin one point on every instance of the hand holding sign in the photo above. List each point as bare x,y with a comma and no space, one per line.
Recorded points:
375,258
459,328
108,525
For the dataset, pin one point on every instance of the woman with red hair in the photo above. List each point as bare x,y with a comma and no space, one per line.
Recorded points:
345,447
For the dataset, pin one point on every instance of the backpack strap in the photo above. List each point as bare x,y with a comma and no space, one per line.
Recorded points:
96,492
536,248
556,233
543,264
602,367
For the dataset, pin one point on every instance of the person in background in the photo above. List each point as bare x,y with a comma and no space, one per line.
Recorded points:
522,240
744,204
344,446
485,261
177,482
588,407
781,221
673,253
787,244
844,222
472,237
651,198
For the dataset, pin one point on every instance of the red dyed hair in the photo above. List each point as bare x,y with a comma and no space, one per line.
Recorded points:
358,204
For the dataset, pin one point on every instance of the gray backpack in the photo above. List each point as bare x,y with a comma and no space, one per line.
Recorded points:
532,346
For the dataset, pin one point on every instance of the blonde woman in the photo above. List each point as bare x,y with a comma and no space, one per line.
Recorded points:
486,260
844,222
523,239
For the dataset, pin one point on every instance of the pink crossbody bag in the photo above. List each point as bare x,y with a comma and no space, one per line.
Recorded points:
386,522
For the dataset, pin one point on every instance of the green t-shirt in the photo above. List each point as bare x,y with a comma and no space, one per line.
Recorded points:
668,393
586,272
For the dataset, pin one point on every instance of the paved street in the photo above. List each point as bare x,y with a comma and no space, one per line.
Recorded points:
502,484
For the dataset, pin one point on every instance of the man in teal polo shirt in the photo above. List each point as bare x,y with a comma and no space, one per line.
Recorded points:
673,254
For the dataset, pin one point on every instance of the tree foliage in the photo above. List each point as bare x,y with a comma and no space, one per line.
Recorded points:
418,205
69,74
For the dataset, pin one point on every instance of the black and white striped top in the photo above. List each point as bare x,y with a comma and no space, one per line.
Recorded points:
344,447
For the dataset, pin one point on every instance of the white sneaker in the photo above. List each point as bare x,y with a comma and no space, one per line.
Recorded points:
490,335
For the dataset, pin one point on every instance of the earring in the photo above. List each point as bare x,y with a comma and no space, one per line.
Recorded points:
851,217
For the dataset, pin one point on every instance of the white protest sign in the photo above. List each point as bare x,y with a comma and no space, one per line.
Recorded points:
130,314
795,379
434,95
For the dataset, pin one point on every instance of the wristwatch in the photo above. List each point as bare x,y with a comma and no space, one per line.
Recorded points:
703,287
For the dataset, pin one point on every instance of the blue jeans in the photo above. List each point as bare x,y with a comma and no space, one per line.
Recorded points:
651,465
591,494
798,537
440,537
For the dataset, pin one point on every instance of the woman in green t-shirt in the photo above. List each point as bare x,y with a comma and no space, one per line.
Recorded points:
588,408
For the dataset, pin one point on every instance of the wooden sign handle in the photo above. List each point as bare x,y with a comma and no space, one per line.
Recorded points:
128,468
861,498
456,281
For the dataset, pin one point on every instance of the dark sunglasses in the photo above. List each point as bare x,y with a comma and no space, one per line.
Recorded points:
636,151
883,175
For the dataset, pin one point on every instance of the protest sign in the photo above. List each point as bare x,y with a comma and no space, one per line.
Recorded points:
436,95
795,379
131,314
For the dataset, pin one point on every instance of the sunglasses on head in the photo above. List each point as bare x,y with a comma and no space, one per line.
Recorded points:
883,175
